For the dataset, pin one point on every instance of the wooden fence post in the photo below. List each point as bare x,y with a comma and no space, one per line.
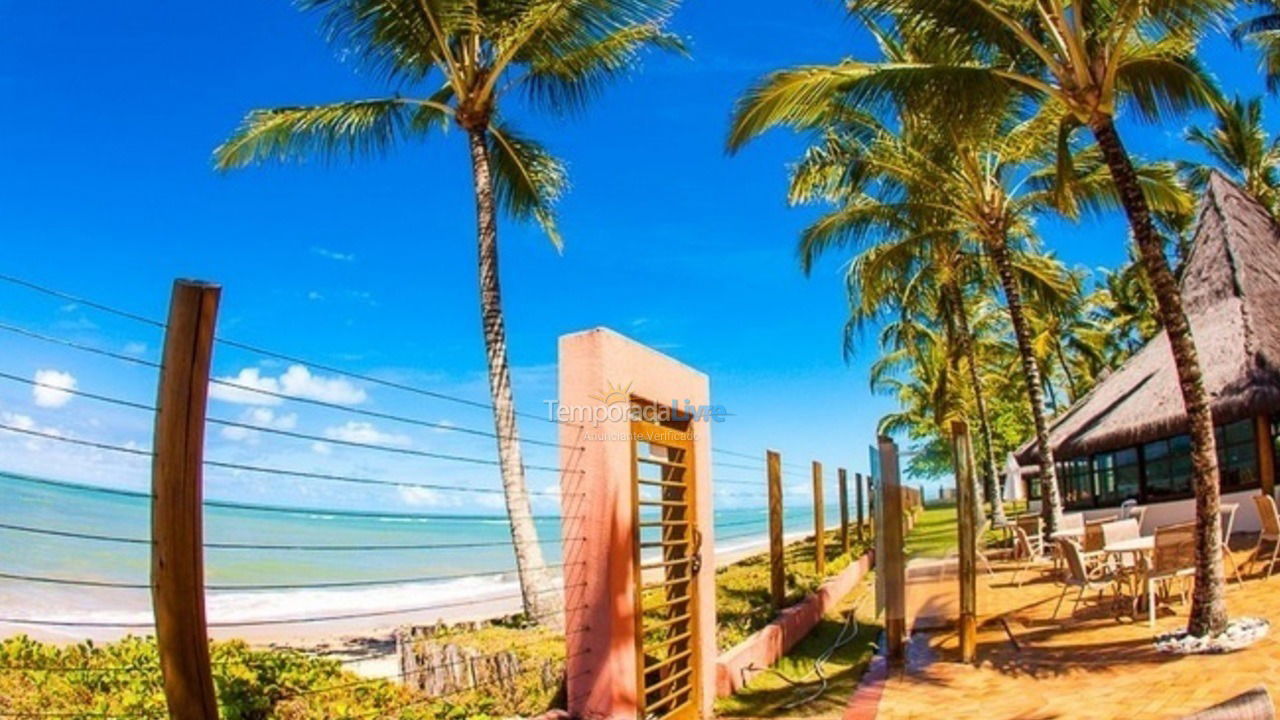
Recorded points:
777,560
845,545
177,534
819,524
962,453
894,561
857,486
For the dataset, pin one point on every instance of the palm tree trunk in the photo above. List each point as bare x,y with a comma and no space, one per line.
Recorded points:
984,424
1066,370
1208,606
541,601
1050,498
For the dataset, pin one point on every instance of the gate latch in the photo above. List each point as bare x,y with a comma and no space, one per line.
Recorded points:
695,563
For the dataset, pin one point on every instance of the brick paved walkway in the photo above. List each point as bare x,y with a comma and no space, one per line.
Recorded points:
1090,666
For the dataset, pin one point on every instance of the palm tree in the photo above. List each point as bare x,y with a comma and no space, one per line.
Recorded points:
1264,31
470,57
1241,145
1081,59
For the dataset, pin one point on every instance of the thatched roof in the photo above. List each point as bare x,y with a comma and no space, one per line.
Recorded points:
1231,289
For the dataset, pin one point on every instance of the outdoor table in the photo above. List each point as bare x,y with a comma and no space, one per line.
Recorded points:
1137,547
1071,532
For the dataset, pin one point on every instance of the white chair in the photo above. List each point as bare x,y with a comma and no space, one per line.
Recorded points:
1227,516
1030,549
1270,531
1079,575
1174,557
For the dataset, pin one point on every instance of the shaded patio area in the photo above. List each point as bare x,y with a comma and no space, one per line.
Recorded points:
1092,665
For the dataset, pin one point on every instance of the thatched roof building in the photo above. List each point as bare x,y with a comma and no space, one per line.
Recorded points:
1231,288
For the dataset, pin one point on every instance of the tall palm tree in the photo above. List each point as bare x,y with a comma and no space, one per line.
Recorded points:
471,58
1240,145
1085,59
1264,31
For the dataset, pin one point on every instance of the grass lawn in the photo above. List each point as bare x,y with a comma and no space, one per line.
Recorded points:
767,694
742,589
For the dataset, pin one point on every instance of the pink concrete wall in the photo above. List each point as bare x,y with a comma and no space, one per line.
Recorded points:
596,487
737,665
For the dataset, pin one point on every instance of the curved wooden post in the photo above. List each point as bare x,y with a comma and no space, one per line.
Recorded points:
819,524
857,486
843,476
177,534
777,551
962,454
890,556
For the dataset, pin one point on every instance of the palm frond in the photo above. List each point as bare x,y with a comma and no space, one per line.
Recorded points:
352,129
528,180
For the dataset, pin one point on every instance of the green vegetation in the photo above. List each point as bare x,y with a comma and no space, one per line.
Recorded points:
767,694
123,679
742,589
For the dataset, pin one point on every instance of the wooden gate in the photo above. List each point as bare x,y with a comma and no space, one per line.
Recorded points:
668,547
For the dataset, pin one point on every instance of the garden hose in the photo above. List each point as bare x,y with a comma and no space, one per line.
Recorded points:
847,634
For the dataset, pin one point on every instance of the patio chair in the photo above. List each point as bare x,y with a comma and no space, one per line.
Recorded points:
1072,520
1093,542
1227,516
1079,575
1032,525
1118,531
1137,514
1174,557
1029,548
1270,530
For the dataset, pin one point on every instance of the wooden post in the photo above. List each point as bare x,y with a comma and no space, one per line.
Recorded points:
1266,454
894,565
177,535
819,524
777,560
845,545
962,455
857,486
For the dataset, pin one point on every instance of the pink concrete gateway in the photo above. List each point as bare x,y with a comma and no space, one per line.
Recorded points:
600,370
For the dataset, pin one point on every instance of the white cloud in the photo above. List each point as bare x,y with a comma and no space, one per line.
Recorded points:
365,434
261,417
47,393
419,496
26,422
333,254
315,295
320,448
248,378
135,348
297,381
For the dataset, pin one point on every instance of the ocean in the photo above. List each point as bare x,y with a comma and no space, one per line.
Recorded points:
418,560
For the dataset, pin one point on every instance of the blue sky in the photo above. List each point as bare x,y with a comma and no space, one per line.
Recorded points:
107,191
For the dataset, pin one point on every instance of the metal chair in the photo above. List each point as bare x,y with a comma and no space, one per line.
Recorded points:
1174,557
1031,549
1270,518
1227,517
1079,575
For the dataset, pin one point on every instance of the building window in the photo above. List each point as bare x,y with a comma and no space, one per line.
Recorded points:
1117,476
1168,465
1076,480
1237,455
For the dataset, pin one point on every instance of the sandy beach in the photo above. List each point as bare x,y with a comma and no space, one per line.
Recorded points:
366,644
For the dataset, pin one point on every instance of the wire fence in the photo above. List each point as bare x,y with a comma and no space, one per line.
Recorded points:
443,482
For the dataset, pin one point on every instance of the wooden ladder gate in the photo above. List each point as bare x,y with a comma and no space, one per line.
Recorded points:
668,557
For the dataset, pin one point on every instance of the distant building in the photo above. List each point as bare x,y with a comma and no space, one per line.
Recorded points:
1127,438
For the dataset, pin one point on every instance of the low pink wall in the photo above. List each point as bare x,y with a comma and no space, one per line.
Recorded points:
740,663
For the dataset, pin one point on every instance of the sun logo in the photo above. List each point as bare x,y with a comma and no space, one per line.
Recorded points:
614,394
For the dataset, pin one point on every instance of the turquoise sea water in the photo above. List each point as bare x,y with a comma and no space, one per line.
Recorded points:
408,577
